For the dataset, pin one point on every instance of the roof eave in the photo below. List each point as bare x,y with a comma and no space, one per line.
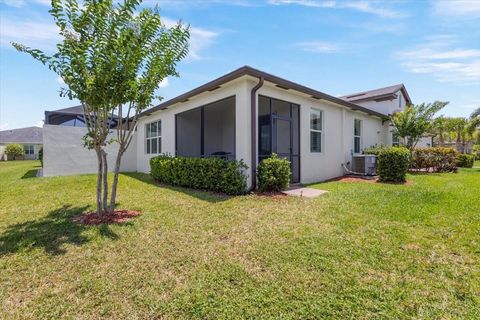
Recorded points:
246,70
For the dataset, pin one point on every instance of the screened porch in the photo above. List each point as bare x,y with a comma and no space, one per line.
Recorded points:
207,131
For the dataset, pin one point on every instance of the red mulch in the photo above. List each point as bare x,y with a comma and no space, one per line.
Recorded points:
354,179
117,216
371,180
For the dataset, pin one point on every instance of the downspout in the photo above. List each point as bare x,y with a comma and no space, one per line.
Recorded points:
253,120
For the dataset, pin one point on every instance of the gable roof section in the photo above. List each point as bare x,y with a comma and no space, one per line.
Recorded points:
280,82
378,94
22,135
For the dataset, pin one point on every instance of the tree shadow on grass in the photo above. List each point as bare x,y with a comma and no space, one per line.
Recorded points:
51,232
209,196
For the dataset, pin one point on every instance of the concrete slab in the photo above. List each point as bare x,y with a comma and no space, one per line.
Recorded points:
304,192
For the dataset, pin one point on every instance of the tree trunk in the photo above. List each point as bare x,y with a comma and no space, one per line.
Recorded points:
99,181
105,181
115,180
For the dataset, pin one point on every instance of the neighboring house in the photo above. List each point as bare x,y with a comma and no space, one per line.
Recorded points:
30,138
246,115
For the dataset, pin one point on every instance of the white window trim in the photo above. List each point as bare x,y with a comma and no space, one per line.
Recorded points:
159,136
358,136
322,131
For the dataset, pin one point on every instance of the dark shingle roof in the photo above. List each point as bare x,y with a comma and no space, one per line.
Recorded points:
377,94
70,110
22,135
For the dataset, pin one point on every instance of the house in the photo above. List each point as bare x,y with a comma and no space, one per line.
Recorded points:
30,138
246,115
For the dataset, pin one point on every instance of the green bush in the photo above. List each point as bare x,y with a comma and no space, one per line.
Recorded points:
40,156
14,150
465,160
436,159
393,164
214,174
273,174
375,150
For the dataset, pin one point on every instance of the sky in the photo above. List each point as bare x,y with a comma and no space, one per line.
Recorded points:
337,47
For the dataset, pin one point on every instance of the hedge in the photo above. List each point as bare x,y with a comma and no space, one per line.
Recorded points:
273,174
213,174
375,150
435,159
465,160
393,164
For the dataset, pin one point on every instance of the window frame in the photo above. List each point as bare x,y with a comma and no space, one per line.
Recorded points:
321,131
359,136
148,137
29,149
395,142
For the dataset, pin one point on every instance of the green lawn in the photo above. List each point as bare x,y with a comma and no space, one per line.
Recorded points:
362,251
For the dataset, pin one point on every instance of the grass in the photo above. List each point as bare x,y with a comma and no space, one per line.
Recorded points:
362,251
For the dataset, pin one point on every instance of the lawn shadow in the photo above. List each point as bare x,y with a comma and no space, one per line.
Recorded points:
30,174
209,196
51,232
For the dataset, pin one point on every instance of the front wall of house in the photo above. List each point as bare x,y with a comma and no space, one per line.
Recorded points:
238,88
337,137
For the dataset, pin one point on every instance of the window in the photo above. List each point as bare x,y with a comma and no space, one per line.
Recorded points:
153,139
316,130
395,139
28,148
357,136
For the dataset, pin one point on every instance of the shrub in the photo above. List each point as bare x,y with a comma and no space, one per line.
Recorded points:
40,156
273,174
465,160
214,174
436,159
375,150
14,151
393,164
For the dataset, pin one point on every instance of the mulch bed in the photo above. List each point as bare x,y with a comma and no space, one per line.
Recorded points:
117,216
367,180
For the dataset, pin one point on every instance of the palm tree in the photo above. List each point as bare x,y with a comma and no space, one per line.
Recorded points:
440,128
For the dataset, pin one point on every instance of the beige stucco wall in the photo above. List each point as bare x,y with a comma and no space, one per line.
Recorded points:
238,88
337,137
337,134
64,153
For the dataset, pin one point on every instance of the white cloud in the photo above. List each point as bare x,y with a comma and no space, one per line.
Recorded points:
442,61
318,46
163,83
4,126
365,6
45,35
458,8
36,34
200,39
39,124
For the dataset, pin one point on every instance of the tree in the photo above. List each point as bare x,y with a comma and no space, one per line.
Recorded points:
440,128
413,122
14,150
475,113
111,58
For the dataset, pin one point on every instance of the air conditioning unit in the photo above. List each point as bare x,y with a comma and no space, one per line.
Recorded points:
365,164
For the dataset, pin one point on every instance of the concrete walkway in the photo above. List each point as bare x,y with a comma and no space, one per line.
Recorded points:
304,192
